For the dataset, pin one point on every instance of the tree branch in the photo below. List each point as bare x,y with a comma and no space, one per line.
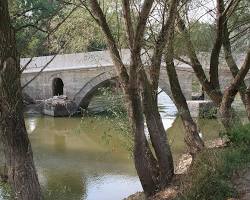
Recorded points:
215,95
161,42
115,55
26,65
128,22
38,74
231,92
214,57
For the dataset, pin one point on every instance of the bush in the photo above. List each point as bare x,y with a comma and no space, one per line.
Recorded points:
240,135
205,180
210,175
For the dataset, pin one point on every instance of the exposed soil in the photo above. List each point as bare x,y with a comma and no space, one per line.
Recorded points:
168,194
241,181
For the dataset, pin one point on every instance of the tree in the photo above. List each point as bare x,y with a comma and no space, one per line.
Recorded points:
82,33
201,35
212,86
17,148
192,138
155,173
31,20
141,88
43,27
237,22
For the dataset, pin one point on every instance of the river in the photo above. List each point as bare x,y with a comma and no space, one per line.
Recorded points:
88,159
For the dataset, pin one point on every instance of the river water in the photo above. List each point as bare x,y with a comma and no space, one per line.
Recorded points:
88,159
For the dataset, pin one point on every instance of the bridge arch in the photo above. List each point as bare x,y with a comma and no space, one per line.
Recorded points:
165,86
84,95
57,86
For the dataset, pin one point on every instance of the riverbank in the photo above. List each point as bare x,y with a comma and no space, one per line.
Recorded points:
217,173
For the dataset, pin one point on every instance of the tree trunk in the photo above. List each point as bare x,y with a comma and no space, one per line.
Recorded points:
248,102
192,138
17,148
228,116
145,163
226,98
234,68
215,95
157,134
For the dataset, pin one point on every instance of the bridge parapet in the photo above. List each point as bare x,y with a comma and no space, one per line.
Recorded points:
83,73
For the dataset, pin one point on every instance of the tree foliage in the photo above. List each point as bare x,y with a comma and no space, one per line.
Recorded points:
202,36
43,27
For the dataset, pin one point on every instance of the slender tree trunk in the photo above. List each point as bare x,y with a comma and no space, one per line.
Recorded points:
145,163
228,116
234,68
157,134
215,95
192,138
226,111
17,148
247,96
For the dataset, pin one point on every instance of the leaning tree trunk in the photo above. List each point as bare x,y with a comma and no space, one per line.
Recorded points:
192,138
243,90
248,102
228,115
21,171
145,163
157,135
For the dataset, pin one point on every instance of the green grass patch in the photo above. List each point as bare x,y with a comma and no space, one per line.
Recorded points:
240,135
211,174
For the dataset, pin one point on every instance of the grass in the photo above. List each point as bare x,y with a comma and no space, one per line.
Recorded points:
210,177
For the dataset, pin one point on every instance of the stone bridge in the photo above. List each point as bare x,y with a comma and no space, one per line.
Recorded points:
78,76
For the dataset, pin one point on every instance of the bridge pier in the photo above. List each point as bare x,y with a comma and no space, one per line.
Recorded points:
59,106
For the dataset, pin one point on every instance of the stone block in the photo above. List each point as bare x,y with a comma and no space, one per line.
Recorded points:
59,107
202,109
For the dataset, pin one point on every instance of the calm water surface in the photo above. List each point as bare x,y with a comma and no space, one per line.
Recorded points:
88,159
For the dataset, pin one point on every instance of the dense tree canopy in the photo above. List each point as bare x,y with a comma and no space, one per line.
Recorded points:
43,27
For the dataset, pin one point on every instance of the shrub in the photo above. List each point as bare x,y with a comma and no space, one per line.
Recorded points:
240,135
210,175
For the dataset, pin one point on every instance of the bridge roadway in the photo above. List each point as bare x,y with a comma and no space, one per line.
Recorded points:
78,76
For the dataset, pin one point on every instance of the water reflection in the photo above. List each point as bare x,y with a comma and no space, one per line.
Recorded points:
167,110
31,125
209,128
79,165
74,162
111,187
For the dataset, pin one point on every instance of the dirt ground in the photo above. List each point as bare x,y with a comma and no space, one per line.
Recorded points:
241,181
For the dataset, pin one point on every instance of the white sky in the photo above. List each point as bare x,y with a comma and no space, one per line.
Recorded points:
202,10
